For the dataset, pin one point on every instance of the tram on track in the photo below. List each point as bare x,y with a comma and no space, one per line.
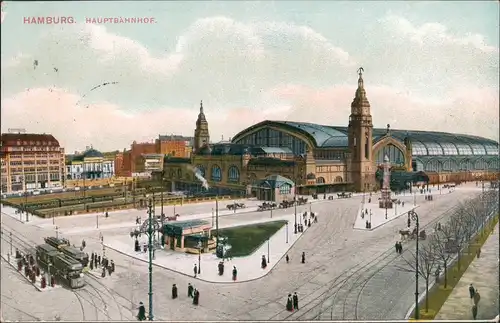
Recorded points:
64,246
65,268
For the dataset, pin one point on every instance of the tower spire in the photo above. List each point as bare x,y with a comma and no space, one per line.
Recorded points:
360,79
201,106
360,100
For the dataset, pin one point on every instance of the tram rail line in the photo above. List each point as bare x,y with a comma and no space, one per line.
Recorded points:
333,283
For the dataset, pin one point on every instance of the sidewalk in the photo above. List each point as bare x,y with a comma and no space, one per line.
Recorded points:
483,275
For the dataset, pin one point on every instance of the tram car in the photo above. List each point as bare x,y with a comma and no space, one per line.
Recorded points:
57,243
65,268
77,254
64,246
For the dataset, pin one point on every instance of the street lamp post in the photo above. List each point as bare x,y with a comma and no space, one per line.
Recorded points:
10,242
295,206
57,232
386,211
97,220
150,250
415,198
286,231
414,217
268,252
199,256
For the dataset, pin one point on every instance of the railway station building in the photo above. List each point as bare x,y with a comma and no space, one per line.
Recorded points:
325,158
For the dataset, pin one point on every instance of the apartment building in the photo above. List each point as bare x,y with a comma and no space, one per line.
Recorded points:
30,161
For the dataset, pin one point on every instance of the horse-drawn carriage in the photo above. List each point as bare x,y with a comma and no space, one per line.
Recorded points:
301,201
236,206
286,204
266,206
344,195
412,234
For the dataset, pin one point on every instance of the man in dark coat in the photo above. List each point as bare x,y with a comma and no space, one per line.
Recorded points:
400,248
142,312
174,291
263,263
112,266
195,270
196,297
289,304
221,268
477,297
396,245
474,311
303,258
190,290
103,274
472,291
295,301
287,258
235,273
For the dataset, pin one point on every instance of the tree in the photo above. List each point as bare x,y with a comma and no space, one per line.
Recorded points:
427,262
439,243
457,233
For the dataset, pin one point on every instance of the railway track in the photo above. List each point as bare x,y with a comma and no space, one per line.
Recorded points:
95,293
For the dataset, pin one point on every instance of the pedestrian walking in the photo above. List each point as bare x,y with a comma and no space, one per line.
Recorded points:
472,291
196,297
287,258
474,311
303,257
195,270
112,266
477,297
141,316
190,290
478,253
295,301
400,248
289,303
396,245
263,263
174,291
235,273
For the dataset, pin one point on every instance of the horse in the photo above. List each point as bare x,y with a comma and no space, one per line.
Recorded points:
173,218
404,234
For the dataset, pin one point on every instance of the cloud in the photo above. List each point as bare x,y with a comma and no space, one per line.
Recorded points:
435,33
461,112
217,59
105,125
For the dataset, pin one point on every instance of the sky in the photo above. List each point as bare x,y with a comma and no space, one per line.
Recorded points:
428,66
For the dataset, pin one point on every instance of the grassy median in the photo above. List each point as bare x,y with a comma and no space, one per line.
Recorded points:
438,295
245,239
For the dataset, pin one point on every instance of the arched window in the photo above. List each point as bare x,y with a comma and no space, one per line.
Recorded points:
417,165
433,165
200,170
216,173
493,164
367,148
480,164
233,174
418,149
396,156
285,188
447,166
320,180
463,165
338,179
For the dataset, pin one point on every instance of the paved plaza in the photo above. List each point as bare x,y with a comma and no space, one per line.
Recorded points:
248,267
335,256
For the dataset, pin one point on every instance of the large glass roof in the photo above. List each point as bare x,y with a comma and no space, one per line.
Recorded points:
423,142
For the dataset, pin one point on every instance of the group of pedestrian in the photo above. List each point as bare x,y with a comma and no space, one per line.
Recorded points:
192,293
292,303
475,297
302,258
399,247
107,265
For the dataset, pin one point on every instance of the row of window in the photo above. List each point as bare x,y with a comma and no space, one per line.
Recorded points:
274,138
233,173
31,178
37,142
435,149
452,166
327,169
32,155
330,155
